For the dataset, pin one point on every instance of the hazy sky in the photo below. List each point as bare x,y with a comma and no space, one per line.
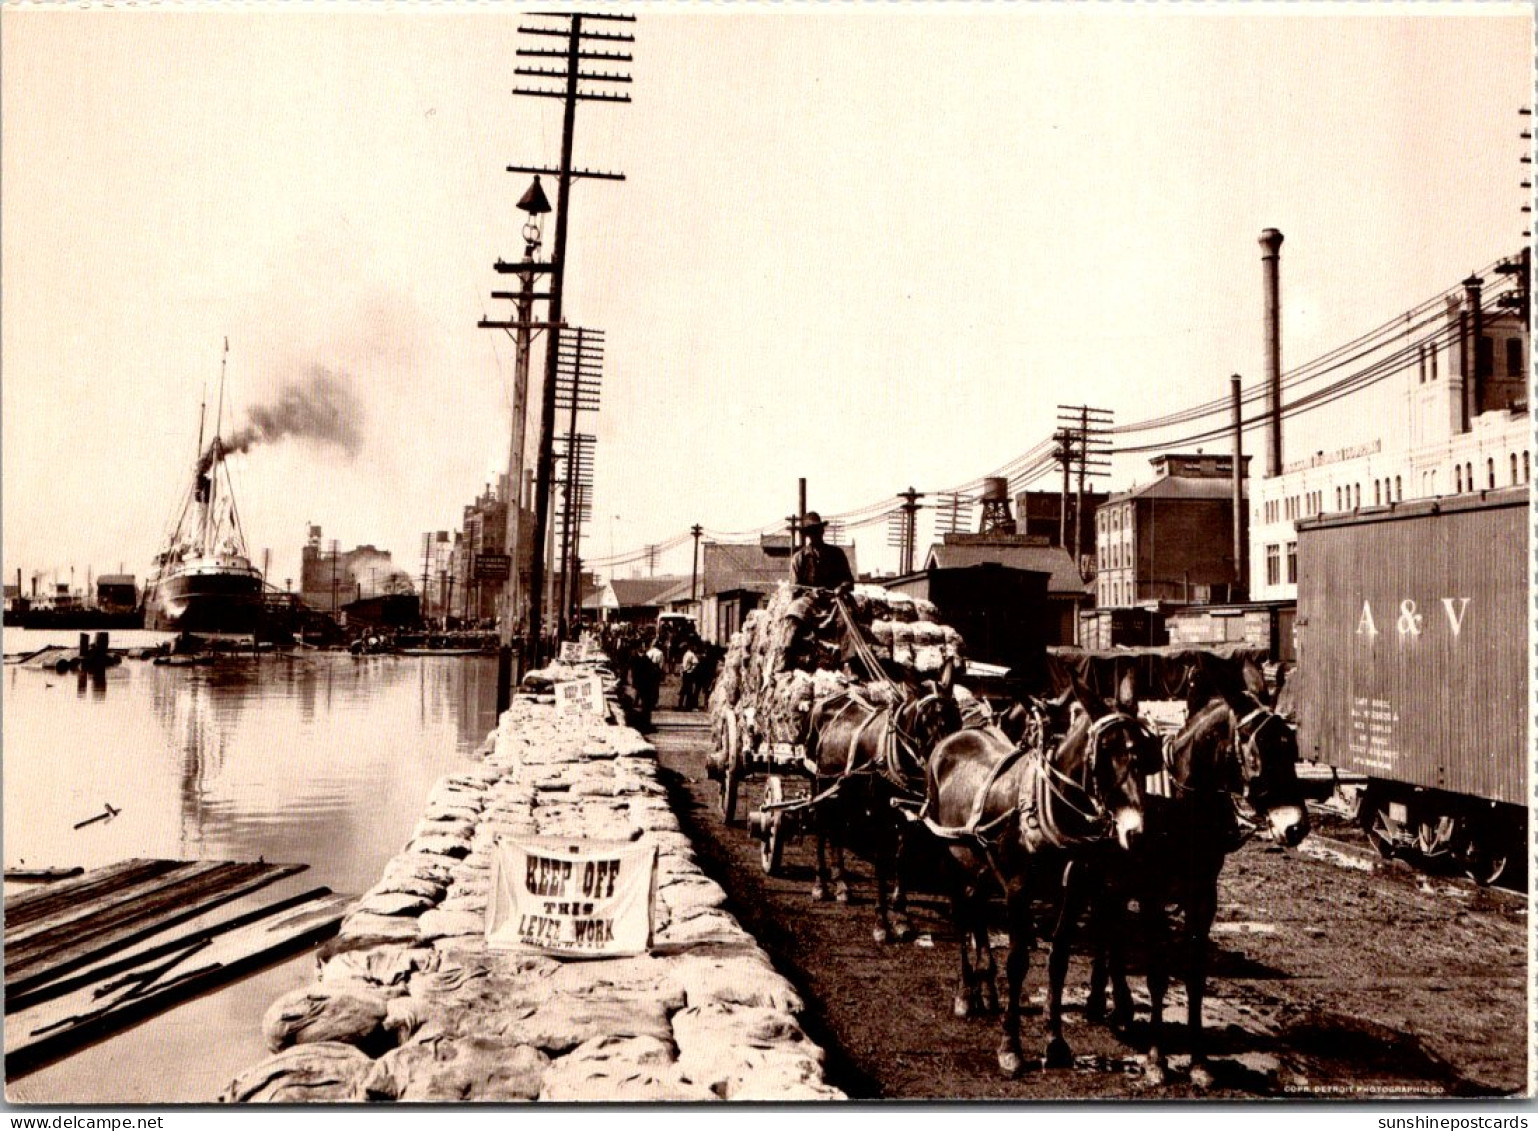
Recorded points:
873,246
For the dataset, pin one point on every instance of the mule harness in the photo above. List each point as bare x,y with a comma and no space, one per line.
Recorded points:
1045,789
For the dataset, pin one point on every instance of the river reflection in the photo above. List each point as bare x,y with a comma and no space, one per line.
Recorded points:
318,758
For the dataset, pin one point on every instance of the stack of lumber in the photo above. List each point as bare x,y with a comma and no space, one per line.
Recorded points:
85,956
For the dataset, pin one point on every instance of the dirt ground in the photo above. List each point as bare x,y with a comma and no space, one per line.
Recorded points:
1326,981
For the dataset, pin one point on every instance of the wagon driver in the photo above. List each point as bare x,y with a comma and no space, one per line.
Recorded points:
818,565
818,570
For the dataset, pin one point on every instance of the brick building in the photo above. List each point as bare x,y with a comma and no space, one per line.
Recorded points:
1171,539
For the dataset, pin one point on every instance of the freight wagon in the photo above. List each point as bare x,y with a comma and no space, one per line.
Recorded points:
1413,672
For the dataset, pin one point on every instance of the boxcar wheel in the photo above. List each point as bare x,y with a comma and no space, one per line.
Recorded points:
1486,857
1380,830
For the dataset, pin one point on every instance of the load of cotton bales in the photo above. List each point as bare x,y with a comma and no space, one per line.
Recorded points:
776,668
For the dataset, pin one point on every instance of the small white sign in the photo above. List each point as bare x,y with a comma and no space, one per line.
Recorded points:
576,899
580,696
571,651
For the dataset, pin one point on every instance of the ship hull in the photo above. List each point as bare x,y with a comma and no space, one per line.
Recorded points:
206,599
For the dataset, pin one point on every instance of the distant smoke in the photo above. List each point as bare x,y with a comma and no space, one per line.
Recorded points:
319,407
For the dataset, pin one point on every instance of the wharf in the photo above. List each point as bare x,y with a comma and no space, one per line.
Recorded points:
410,1003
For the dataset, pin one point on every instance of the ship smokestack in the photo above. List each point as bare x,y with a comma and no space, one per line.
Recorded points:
1270,263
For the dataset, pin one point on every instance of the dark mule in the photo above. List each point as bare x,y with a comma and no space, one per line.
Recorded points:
1234,747
869,756
997,805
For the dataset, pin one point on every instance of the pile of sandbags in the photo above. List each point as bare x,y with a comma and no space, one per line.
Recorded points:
410,1004
542,681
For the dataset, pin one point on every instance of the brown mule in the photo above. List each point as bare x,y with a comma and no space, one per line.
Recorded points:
868,757
998,806
1235,746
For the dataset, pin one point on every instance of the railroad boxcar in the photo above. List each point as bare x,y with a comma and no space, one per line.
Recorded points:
1413,670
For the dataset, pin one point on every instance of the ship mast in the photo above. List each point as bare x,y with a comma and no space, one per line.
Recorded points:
216,451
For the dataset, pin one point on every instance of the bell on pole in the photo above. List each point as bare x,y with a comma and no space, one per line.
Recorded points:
534,202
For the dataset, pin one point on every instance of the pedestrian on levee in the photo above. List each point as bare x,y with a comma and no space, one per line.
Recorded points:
646,681
688,687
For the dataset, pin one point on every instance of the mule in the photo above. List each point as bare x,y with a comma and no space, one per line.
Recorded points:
867,758
999,806
1236,746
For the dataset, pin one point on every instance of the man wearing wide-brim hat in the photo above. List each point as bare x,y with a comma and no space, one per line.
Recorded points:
818,565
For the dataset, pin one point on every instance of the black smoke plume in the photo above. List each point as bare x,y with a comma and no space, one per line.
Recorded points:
319,407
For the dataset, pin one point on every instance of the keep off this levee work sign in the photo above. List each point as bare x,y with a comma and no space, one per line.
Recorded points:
580,696
582,899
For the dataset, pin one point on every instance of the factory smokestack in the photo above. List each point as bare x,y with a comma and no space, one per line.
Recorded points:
1240,588
1270,263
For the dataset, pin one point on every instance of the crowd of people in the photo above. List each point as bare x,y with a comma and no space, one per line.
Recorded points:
643,656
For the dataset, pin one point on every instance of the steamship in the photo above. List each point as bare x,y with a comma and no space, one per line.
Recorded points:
203,580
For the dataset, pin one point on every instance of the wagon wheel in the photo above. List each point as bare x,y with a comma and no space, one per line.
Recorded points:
731,768
772,846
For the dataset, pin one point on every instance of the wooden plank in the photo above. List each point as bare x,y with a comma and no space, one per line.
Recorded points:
29,906
44,965
56,1026
108,904
206,928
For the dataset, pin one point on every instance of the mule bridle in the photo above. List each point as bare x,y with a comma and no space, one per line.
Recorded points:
1245,749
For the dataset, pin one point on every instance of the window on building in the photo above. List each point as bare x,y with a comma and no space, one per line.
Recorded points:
1358,492
1433,481
1524,467
1338,505
1513,469
1457,480
1433,361
1491,468
1398,490
1423,364
1377,492
1514,357
1292,563
1273,564
1468,475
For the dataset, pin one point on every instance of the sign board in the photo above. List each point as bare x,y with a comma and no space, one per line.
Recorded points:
574,899
571,651
580,696
493,567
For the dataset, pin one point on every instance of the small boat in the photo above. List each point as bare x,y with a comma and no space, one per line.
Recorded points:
203,580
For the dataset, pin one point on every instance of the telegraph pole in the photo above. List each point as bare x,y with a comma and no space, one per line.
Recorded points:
1063,454
578,49
694,572
910,509
1083,443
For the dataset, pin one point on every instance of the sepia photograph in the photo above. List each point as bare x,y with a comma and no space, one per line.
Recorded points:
800,554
